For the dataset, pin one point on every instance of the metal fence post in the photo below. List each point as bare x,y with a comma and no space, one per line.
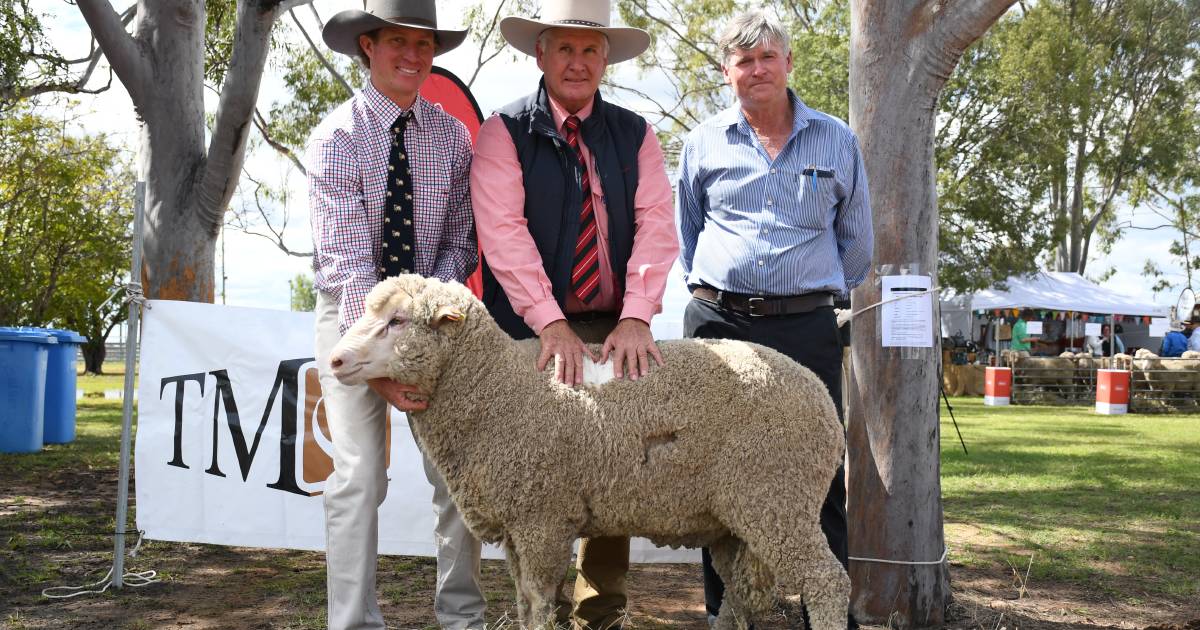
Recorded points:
131,344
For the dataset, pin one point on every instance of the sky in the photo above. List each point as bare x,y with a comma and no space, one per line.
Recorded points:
257,272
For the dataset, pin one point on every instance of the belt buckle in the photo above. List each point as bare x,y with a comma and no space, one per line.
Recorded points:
752,305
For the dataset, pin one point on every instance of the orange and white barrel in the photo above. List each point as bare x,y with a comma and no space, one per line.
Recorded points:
1112,391
997,386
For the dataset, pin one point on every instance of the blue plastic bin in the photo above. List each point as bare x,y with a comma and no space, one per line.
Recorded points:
24,354
59,426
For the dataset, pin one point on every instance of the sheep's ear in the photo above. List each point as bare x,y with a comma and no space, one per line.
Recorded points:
446,315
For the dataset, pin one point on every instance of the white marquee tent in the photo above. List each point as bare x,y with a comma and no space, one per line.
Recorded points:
1064,291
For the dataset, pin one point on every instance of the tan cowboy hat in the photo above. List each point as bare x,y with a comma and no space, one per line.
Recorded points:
342,30
623,43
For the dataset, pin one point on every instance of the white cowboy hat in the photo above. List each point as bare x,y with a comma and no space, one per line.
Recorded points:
623,43
342,30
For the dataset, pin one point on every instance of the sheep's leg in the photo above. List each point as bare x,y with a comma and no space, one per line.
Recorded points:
514,568
543,561
745,578
809,569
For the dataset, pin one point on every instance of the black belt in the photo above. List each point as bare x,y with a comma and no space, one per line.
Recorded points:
589,316
758,306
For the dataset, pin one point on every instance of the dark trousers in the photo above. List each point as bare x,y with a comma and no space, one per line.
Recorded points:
810,339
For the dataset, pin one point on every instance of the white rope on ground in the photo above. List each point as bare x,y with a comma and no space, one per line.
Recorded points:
131,578
945,554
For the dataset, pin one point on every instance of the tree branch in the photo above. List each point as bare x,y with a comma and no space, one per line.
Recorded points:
261,124
480,62
120,48
239,96
967,18
317,51
680,37
61,87
288,5
276,234
953,26
92,59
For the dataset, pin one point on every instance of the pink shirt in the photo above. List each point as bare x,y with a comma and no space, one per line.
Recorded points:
498,195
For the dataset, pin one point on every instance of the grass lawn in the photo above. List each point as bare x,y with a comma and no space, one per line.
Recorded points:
1107,506
113,379
1109,502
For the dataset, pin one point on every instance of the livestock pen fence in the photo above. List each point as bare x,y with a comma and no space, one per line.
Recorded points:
1160,385
1054,380
1157,385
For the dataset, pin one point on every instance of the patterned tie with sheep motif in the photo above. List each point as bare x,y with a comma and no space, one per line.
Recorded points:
585,272
398,255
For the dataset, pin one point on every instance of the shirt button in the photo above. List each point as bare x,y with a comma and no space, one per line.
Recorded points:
761,263
770,202
773,171
764,230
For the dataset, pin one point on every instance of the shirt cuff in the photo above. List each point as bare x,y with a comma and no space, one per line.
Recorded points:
543,314
639,308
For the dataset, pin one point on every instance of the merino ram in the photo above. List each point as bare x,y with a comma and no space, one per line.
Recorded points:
729,445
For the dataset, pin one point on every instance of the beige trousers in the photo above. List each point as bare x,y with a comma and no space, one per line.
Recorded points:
353,494
600,596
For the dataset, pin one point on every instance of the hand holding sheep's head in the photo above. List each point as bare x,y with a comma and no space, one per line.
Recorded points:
402,335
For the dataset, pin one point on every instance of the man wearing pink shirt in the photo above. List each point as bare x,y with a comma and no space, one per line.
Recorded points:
575,218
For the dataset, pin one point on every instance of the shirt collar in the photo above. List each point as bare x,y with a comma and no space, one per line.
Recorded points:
387,111
801,114
560,113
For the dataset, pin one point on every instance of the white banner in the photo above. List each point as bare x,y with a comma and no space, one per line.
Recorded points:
232,446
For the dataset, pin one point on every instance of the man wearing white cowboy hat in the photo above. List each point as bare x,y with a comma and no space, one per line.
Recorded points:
389,194
1190,326
576,224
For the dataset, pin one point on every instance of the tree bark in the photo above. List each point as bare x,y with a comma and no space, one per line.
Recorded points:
900,57
188,184
93,353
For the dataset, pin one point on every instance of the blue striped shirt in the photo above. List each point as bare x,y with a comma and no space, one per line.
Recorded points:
797,224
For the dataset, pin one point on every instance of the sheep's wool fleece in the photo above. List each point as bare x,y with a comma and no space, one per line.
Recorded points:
726,438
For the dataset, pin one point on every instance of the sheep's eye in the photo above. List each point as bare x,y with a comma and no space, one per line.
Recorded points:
396,321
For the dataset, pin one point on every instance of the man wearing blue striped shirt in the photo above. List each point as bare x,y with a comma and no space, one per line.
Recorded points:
774,225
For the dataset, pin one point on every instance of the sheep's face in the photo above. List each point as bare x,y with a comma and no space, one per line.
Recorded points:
401,336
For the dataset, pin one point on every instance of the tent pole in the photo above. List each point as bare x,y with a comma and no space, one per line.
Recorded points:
1112,344
996,331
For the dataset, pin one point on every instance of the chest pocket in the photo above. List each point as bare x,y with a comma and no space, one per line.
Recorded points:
813,200
431,180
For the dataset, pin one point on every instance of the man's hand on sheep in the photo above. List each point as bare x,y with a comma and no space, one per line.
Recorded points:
396,394
631,341
561,343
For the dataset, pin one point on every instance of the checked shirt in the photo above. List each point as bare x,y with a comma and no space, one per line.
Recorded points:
347,159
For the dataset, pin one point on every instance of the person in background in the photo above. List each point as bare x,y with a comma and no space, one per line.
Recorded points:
1174,343
1105,350
1020,338
1193,336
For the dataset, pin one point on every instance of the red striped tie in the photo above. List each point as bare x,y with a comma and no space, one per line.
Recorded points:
585,273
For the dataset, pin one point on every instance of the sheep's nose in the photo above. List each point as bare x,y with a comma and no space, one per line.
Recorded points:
340,360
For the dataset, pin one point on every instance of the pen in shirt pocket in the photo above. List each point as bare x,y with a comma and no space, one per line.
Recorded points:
813,172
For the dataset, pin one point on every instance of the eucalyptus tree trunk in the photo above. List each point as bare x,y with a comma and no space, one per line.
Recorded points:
900,56
188,183
93,353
